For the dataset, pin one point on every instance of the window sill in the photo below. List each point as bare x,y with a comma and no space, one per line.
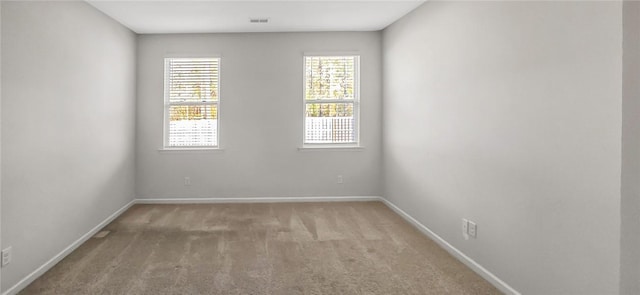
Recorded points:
311,148
179,150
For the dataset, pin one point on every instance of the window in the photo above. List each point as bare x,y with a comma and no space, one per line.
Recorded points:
331,100
192,100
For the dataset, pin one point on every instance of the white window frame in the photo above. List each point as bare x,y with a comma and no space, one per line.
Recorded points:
355,101
168,104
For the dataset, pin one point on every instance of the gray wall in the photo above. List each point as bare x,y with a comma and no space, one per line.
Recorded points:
0,139
68,106
509,114
630,247
261,120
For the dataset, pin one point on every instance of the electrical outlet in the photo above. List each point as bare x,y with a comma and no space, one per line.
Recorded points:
6,256
187,180
340,179
465,229
473,229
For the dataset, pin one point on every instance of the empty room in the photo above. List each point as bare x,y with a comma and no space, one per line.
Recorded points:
320,147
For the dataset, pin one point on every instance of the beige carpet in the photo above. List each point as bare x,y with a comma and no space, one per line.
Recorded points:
301,248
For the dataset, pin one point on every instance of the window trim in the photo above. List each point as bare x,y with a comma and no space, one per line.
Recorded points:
167,104
356,103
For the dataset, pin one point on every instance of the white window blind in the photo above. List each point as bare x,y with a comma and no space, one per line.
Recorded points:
192,98
331,99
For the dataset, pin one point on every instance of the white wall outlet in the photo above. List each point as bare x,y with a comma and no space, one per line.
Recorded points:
473,229
187,180
6,256
465,229
340,179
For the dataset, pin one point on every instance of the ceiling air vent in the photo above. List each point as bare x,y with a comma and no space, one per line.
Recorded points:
259,20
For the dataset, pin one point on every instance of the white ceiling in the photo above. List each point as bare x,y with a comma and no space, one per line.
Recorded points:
216,16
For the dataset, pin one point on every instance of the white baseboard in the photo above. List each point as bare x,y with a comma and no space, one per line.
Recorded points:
483,272
257,200
53,261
